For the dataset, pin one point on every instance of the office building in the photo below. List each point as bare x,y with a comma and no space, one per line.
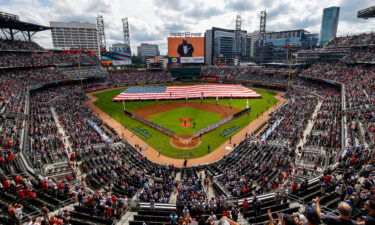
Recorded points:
120,47
66,35
328,29
148,50
220,46
281,43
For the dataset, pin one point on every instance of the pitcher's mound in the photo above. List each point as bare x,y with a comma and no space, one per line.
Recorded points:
187,119
185,141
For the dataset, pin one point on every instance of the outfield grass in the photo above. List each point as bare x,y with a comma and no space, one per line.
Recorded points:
171,119
160,141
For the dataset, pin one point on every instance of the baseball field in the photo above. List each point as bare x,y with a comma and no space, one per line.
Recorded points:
184,117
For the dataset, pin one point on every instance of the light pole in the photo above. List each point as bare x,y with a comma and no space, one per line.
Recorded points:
79,69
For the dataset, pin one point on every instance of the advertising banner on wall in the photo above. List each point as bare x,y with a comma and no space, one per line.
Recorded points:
192,59
116,58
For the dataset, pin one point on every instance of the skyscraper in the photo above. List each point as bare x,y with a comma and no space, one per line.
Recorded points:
148,50
220,46
328,28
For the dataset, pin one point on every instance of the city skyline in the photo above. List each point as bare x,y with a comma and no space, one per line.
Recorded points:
153,21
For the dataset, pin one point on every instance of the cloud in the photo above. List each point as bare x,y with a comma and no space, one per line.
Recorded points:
199,13
169,4
239,5
152,20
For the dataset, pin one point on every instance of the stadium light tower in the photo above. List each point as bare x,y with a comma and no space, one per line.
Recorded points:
238,38
125,28
262,28
101,34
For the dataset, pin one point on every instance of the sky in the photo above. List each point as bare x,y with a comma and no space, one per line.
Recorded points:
151,21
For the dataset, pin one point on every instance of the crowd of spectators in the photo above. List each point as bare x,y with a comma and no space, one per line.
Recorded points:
342,189
294,117
262,75
229,72
87,71
362,39
326,130
359,82
366,55
361,128
137,77
19,45
10,133
74,115
32,59
46,142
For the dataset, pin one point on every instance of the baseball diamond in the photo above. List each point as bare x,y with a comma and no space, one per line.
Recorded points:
168,114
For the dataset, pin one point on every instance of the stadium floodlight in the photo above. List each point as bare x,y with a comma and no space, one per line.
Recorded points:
262,27
125,28
101,33
238,39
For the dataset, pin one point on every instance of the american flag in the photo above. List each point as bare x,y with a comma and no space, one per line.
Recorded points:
186,91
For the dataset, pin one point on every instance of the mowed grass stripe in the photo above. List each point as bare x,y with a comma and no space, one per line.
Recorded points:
171,119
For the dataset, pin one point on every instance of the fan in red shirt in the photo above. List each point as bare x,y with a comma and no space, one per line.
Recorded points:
2,161
327,179
61,186
294,187
10,157
108,211
245,205
44,186
5,183
18,179
55,221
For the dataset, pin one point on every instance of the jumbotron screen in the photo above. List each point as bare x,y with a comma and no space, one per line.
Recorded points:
186,49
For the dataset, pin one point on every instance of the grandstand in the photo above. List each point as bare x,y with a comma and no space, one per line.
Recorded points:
61,162
366,13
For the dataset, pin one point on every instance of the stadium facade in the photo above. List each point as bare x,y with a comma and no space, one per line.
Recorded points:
328,29
66,35
220,46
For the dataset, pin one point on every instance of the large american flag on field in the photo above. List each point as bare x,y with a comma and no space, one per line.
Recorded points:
186,91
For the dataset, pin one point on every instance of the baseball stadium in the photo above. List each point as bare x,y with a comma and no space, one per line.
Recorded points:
216,126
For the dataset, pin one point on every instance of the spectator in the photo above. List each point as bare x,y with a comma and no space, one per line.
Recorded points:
370,206
344,210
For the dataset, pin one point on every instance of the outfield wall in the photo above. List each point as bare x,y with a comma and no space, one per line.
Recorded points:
219,123
156,126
